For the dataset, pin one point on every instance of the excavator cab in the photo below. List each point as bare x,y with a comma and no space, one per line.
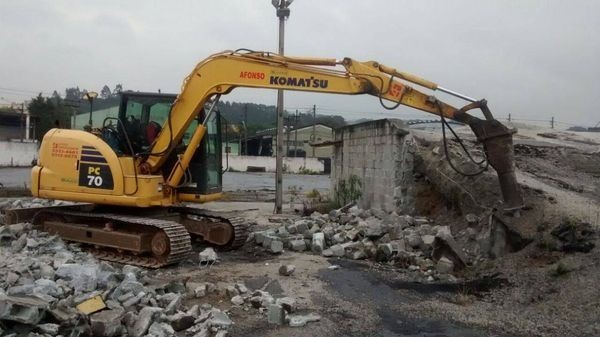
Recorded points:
140,120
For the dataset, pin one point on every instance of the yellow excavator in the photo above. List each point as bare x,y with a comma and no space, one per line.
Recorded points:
163,150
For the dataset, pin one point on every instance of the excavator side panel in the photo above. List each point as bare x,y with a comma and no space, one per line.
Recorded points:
79,166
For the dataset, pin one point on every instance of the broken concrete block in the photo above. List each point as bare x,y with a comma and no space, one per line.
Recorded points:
337,250
287,269
447,247
302,320
26,310
427,241
49,328
237,300
288,303
145,318
414,240
318,242
173,305
275,314
158,329
359,254
107,323
241,288
327,252
132,301
219,319
352,234
83,278
11,278
207,256
231,291
18,244
275,246
444,266
181,321
339,237
259,237
298,245
302,226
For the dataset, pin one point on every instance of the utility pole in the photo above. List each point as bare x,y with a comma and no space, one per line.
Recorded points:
296,135
246,129
314,135
288,123
22,121
283,12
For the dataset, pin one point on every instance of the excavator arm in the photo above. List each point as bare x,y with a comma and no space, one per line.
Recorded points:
222,72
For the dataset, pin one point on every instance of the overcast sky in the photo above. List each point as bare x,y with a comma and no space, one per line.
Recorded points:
533,59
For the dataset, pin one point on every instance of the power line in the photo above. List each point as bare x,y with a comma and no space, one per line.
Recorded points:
24,91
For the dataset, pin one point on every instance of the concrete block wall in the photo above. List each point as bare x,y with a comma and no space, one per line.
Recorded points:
378,153
15,153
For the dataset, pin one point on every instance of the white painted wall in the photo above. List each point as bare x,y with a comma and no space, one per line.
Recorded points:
17,153
241,163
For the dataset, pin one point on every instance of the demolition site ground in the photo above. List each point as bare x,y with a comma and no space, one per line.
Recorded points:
455,266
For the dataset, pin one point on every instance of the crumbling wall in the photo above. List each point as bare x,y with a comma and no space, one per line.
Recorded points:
378,153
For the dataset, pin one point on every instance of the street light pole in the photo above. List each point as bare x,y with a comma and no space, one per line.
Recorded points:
90,96
283,12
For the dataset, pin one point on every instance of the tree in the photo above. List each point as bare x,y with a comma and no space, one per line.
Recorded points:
105,93
73,94
118,89
47,115
56,99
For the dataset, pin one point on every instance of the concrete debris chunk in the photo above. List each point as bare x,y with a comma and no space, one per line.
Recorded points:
181,321
159,329
208,256
318,242
173,305
26,310
219,319
145,318
275,246
287,269
83,278
49,328
302,320
237,300
241,288
275,314
444,266
287,303
107,323
298,245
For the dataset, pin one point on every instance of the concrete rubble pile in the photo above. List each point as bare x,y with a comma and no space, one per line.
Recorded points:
278,310
410,242
49,288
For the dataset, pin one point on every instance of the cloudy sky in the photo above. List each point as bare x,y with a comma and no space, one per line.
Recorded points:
533,59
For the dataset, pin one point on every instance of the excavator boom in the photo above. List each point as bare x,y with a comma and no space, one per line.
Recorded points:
222,72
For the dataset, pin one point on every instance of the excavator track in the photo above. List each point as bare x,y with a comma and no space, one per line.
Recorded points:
239,225
173,239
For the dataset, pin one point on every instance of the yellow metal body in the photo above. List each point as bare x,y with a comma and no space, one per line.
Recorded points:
92,305
79,166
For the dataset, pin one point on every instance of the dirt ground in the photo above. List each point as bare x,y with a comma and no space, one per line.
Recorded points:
536,291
